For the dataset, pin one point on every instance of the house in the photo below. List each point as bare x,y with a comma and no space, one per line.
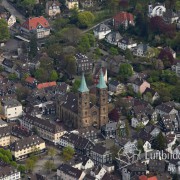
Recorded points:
150,95
83,63
109,130
176,67
65,172
8,65
166,124
116,87
123,19
24,147
52,8
87,3
11,108
126,43
47,130
165,109
140,85
101,31
140,119
80,144
5,135
170,17
45,85
143,50
96,74
170,50
156,9
98,172
156,165
31,82
100,155
171,141
8,172
3,124
38,25
72,4
113,37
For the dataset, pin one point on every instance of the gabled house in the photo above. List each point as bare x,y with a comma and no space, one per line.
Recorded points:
98,172
150,95
140,85
38,25
53,8
8,65
143,50
109,130
31,82
140,119
170,16
126,43
123,19
72,4
157,9
100,155
157,165
116,87
171,141
170,50
101,31
113,37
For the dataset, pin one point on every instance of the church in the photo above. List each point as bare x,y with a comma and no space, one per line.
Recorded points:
76,110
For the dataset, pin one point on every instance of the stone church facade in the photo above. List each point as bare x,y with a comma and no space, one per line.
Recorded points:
76,110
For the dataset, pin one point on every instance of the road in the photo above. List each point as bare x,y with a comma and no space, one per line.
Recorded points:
13,11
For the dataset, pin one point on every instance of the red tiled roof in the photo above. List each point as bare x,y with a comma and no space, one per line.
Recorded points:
143,177
153,178
123,16
30,79
47,84
32,23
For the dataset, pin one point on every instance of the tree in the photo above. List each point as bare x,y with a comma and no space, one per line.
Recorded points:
70,65
33,46
76,85
67,153
128,55
22,168
52,152
12,76
4,32
49,166
84,44
53,76
127,129
30,164
85,19
22,93
125,71
140,145
159,65
160,142
113,51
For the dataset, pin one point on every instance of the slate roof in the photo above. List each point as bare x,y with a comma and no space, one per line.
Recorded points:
149,90
138,81
167,122
26,142
165,108
156,165
126,41
110,126
101,28
99,149
7,62
71,171
114,36
114,83
53,3
5,131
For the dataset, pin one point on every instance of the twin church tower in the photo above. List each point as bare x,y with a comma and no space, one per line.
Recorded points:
76,110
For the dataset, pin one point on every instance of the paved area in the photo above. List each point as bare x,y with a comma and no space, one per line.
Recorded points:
12,10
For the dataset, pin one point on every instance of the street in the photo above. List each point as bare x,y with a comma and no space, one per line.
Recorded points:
13,11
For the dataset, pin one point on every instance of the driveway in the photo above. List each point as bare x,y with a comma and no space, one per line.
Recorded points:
13,11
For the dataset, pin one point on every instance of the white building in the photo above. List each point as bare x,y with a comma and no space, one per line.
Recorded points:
156,10
101,31
11,109
71,4
176,68
126,43
11,21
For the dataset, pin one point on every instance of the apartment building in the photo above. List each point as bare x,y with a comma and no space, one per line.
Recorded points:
24,147
5,136
46,129
11,108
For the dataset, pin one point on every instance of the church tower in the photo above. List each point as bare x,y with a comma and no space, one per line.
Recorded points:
84,119
102,100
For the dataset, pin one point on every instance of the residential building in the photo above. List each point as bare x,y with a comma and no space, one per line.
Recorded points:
8,172
176,68
140,119
5,135
53,8
3,124
11,20
156,165
97,172
46,84
123,19
80,144
38,25
24,147
101,31
87,3
150,95
83,63
96,74
171,141
166,124
46,129
156,9
116,87
170,50
65,172
113,37
11,108
109,130
31,82
126,43
8,65
143,50
140,85
72,4
170,16
100,155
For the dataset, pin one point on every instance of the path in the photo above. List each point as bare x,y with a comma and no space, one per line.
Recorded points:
13,11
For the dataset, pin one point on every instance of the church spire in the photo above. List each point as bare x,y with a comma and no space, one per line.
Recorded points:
101,84
83,86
